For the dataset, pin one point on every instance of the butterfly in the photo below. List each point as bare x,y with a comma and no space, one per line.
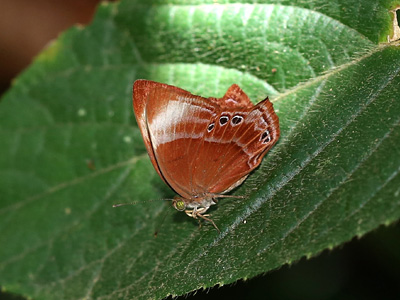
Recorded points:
202,147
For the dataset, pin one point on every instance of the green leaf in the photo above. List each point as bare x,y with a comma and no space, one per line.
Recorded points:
71,147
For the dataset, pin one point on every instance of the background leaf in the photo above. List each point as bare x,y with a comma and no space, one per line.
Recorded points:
71,147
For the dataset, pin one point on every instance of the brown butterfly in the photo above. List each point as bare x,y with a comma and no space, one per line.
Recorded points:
202,147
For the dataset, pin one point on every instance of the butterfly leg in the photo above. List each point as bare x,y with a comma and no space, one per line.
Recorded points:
204,217
198,213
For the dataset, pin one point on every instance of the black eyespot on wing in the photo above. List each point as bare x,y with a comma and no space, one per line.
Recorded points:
265,137
210,127
236,120
223,120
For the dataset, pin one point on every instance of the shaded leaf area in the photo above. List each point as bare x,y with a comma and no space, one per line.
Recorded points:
71,149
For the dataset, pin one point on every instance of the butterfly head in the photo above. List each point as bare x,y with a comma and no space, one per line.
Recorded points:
179,204
196,206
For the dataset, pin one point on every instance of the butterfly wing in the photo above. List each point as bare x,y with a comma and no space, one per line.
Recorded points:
235,98
203,146
173,123
141,91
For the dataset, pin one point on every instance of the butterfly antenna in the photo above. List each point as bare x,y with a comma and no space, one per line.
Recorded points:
123,204
137,202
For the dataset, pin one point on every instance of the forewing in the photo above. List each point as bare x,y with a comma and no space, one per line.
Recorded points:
176,124
141,91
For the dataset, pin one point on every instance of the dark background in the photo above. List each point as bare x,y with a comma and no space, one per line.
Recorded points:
366,268
27,26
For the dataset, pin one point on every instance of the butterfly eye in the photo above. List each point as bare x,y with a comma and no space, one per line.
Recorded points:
223,120
179,204
236,120
265,137
210,127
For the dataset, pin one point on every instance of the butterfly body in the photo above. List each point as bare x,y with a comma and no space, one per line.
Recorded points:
202,147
